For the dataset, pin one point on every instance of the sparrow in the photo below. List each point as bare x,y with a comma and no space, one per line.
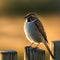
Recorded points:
35,32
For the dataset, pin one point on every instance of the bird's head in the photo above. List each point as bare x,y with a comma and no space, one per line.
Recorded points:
30,17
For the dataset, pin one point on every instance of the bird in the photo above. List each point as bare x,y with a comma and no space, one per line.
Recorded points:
34,31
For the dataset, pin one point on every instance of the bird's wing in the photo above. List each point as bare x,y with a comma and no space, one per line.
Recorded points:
40,28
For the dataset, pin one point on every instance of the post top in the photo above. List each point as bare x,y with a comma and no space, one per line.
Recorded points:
36,49
7,51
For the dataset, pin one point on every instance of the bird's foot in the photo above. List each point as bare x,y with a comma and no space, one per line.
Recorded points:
31,44
37,46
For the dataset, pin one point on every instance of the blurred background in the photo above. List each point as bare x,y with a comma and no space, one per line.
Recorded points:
12,14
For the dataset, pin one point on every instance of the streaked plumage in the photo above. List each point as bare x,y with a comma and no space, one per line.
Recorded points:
34,31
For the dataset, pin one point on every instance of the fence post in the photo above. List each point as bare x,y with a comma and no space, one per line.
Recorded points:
8,55
31,53
55,48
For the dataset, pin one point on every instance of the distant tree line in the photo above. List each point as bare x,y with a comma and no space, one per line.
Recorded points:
20,7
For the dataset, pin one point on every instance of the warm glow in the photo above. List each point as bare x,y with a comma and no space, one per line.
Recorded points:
12,35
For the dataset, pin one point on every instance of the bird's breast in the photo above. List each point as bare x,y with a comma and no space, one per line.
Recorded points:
32,32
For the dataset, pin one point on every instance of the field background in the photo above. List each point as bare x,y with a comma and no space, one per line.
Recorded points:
12,14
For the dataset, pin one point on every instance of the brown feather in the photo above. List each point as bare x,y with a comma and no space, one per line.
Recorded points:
41,29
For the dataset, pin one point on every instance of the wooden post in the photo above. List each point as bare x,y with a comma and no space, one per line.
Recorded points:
55,48
31,53
8,55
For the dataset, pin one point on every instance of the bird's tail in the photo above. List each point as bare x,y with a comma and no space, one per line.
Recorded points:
49,50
